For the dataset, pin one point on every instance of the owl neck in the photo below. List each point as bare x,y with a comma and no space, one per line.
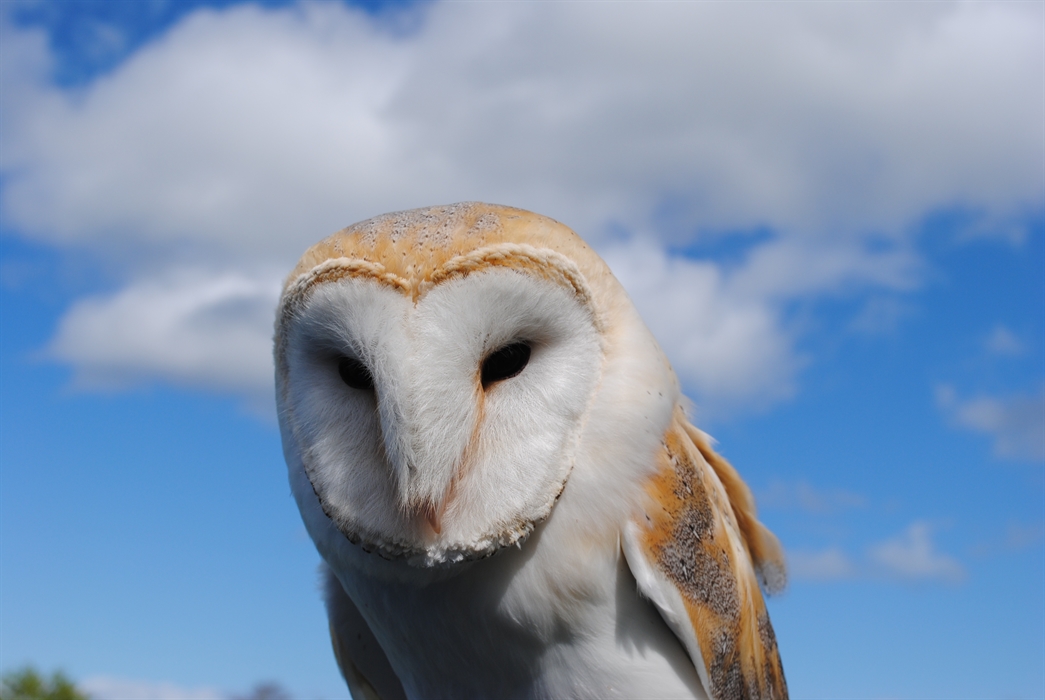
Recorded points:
521,624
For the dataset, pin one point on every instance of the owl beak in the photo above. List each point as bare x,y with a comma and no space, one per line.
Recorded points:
428,427
426,510
427,430
433,515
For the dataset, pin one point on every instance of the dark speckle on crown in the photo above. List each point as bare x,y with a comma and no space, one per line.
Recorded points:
429,226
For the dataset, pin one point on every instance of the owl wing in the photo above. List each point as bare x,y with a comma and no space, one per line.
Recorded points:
698,553
359,656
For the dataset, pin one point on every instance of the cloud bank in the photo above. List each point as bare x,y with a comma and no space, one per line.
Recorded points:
224,148
1015,423
910,556
194,327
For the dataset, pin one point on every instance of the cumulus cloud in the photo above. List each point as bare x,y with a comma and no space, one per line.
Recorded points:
723,328
805,497
1003,341
912,556
843,119
880,314
241,136
722,344
192,327
830,564
1016,423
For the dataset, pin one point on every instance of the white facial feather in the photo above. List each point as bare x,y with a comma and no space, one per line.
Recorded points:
492,460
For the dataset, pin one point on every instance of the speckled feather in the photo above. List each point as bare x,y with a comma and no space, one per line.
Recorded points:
414,246
413,250
700,532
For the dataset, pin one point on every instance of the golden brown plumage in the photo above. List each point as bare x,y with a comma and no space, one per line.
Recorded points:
700,532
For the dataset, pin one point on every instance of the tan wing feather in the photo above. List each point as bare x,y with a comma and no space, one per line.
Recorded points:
701,544
762,545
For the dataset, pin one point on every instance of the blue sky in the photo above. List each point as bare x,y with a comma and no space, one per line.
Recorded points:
832,217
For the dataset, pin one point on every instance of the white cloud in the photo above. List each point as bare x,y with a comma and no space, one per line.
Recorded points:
789,269
259,126
1016,423
912,556
110,688
724,346
803,496
723,328
190,327
830,564
880,314
1003,341
241,136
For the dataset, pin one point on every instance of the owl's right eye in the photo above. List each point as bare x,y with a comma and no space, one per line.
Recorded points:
355,374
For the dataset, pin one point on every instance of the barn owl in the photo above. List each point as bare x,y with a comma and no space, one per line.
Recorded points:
491,454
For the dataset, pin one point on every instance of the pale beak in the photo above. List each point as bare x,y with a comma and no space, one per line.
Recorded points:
433,515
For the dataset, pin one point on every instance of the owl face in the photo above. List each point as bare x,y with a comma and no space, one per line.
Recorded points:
435,412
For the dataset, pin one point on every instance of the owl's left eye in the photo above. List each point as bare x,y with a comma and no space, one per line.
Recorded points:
505,363
355,374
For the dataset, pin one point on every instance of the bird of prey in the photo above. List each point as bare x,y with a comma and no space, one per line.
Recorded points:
491,454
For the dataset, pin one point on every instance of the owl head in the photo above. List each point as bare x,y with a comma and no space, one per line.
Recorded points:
437,374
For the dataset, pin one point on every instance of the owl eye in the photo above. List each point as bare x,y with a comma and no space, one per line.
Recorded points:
355,374
505,363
